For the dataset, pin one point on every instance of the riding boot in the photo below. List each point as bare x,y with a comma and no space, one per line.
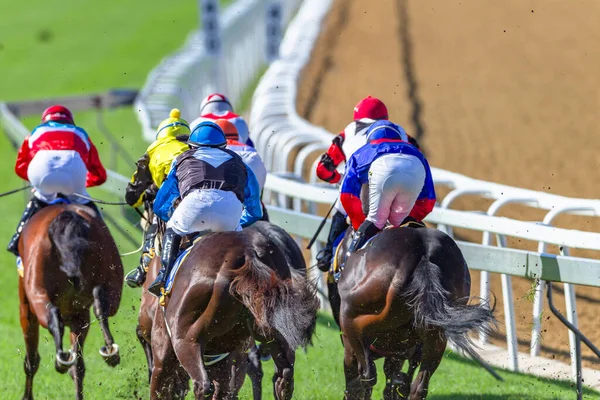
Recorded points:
365,232
170,250
137,277
338,225
32,207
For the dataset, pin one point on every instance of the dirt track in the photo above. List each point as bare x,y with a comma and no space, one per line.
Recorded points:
501,91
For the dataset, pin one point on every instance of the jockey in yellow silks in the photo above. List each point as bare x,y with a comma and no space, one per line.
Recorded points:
152,169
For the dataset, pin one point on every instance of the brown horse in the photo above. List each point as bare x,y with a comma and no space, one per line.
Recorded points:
70,262
232,288
402,298
178,381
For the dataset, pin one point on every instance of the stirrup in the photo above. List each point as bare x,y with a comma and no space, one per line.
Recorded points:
136,277
147,258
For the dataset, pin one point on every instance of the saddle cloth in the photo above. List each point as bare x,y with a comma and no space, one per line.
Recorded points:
338,244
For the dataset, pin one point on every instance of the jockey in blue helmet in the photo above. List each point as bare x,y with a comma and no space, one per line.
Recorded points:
218,193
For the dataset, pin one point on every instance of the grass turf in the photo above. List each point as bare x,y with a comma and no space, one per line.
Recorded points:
85,46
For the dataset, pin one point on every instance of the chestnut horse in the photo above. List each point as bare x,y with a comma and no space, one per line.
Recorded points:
402,298
70,262
232,288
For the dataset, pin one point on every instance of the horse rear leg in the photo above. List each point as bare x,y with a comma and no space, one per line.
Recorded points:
31,334
255,372
79,331
397,382
110,352
434,345
190,351
56,326
147,349
284,358
168,380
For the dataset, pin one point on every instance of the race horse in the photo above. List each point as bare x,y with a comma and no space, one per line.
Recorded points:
70,262
231,289
403,297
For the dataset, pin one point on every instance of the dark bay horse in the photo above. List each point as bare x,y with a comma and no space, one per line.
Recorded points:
402,298
70,262
233,288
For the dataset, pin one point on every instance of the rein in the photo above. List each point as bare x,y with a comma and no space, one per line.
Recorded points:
108,203
15,191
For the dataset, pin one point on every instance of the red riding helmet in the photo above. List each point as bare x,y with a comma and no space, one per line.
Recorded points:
370,107
58,113
215,102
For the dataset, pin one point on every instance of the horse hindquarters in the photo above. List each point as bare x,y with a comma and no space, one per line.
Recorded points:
283,310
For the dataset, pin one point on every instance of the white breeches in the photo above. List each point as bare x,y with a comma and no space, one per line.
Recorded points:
58,171
207,210
395,182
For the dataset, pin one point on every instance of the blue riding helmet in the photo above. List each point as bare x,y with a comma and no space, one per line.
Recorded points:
208,134
383,129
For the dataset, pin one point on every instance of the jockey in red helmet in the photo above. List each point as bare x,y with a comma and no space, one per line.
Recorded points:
216,106
58,157
366,112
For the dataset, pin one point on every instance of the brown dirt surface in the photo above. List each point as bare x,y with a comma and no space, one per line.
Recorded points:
504,91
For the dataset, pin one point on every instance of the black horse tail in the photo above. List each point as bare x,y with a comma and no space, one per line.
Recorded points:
69,233
432,308
285,307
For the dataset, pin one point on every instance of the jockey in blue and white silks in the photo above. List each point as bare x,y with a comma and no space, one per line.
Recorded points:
218,193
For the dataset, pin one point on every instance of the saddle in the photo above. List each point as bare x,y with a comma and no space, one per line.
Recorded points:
336,270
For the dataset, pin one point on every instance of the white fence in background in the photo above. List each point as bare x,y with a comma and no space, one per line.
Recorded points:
183,79
284,139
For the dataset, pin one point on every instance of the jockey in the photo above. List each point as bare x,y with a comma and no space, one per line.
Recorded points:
217,106
218,193
57,158
399,181
366,112
152,169
248,153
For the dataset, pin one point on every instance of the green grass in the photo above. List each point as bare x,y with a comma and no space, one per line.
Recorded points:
85,46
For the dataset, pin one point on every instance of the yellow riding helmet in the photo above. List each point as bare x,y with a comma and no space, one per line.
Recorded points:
173,126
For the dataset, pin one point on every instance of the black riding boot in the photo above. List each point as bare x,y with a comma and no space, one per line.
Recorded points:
137,277
338,225
32,207
170,249
365,232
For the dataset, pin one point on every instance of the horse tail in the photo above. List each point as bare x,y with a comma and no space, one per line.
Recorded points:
432,306
69,233
287,307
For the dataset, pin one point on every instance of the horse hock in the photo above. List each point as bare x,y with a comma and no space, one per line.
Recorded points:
110,352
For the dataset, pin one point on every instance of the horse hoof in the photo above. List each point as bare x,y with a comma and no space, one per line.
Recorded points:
111,355
65,360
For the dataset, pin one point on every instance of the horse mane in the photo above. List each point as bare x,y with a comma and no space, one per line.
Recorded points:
69,233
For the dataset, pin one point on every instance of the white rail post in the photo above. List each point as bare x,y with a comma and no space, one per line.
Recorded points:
274,29
538,303
507,294
571,311
212,41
